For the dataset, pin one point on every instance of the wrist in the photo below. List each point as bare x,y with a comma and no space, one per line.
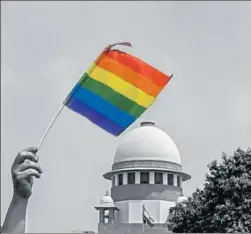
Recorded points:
19,199
16,215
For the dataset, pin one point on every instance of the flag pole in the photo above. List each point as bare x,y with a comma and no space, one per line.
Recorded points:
50,126
143,223
63,105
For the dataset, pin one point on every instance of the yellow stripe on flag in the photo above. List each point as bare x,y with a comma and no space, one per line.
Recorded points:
120,86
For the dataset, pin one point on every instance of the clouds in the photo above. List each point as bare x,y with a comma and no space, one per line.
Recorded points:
46,46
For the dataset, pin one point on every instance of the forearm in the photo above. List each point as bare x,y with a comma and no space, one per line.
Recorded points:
16,215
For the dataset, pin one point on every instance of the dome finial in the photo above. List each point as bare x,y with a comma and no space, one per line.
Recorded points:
147,123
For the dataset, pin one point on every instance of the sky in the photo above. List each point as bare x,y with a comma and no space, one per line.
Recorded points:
46,47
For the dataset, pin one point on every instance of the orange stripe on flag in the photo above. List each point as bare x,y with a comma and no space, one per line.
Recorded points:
138,66
127,74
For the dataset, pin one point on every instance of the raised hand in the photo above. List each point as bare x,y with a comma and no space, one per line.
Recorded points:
24,169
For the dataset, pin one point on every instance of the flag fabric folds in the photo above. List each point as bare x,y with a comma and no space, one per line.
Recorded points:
147,218
115,90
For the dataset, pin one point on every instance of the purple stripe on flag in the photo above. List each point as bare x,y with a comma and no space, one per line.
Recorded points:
98,119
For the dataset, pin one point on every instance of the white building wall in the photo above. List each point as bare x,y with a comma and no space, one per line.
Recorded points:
135,211
131,211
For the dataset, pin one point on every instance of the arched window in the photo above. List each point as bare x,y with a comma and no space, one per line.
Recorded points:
158,178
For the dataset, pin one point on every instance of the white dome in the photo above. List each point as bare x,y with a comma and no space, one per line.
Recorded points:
147,143
107,201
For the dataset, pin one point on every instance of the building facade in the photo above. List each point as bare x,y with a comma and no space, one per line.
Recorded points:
146,172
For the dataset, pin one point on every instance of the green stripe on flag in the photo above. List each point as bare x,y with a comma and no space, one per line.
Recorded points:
110,95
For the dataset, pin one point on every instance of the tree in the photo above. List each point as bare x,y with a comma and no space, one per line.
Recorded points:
224,204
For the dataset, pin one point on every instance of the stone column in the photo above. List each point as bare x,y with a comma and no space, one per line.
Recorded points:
137,177
165,178
151,177
101,216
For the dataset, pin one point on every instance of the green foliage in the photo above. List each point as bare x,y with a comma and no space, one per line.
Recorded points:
224,204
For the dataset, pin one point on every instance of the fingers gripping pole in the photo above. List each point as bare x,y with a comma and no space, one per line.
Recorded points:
49,126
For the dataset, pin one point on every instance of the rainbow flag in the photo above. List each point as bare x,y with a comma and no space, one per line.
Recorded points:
115,90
